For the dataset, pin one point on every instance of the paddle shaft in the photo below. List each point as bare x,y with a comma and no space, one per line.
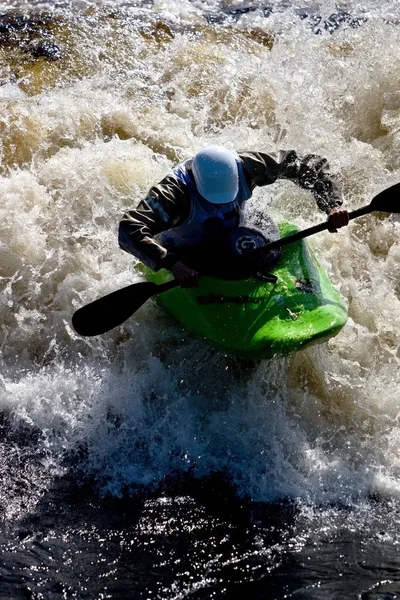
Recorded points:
164,287
300,235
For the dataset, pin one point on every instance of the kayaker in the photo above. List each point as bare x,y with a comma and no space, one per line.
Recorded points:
194,218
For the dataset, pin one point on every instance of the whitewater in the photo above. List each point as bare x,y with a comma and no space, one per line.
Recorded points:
169,468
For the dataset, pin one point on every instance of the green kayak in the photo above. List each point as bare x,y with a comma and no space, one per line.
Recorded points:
255,319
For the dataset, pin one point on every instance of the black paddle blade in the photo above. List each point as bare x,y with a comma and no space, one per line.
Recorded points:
112,310
388,200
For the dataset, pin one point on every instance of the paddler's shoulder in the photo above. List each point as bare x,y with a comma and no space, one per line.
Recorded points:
171,189
261,168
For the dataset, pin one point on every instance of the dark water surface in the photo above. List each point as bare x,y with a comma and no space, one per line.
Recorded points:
203,544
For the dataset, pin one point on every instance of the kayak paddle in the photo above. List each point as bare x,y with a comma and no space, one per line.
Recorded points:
112,310
109,311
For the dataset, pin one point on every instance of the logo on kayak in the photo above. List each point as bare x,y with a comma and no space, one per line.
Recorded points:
215,299
245,243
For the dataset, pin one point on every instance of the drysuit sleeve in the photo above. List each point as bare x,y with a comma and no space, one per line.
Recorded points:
310,172
166,205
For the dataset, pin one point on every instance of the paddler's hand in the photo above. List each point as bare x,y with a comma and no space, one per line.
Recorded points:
337,218
185,276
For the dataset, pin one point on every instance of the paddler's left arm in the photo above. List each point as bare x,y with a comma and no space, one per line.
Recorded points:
310,172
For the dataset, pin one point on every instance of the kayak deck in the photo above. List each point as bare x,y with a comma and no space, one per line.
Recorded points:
257,319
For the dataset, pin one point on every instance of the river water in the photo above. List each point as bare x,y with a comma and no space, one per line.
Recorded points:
143,463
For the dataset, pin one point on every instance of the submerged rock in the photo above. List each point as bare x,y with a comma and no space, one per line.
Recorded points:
30,34
341,19
48,50
335,21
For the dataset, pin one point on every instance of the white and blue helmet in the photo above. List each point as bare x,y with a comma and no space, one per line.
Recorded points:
216,174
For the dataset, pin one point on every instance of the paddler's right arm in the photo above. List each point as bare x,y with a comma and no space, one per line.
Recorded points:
166,205
310,172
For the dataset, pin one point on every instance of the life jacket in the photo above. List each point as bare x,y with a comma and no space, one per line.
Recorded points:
205,219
